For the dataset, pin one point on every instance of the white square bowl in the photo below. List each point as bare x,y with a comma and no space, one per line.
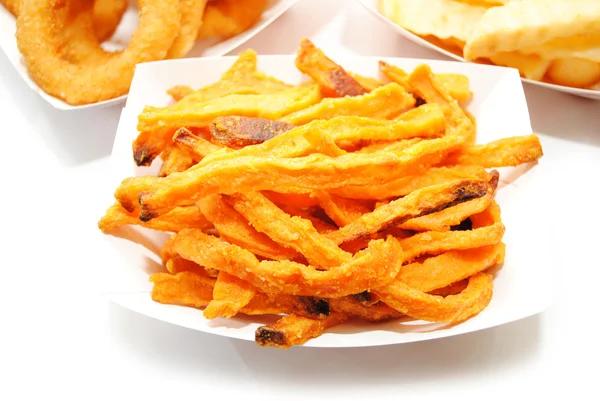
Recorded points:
522,288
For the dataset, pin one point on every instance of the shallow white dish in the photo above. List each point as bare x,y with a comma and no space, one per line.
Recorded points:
522,288
371,5
204,48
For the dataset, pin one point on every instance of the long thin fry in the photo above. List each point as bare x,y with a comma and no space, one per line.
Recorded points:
504,152
418,203
295,330
238,132
230,296
384,102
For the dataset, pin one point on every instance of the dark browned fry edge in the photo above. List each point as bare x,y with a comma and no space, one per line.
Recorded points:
145,216
267,336
344,84
184,136
494,179
313,307
144,155
238,131
366,298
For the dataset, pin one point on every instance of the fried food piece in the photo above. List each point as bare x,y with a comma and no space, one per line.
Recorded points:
383,103
230,296
376,312
433,243
295,232
228,18
107,15
272,106
242,77
342,211
332,78
179,92
530,66
321,226
295,330
234,227
445,219
457,85
450,267
371,268
12,6
175,159
84,83
407,184
302,201
192,12
504,152
433,308
237,132
523,24
367,82
575,72
200,147
173,221
418,203
301,174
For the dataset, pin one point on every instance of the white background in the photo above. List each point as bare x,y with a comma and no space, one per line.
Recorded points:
60,337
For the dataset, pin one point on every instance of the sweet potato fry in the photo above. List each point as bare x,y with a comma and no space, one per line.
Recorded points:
295,330
333,79
302,174
175,159
433,308
272,106
321,226
372,268
295,232
232,226
445,219
301,201
342,211
179,92
442,270
405,185
367,82
384,102
457,85
237,132
173,221
504,152
418,203
432,242
374,313
199,147
230,296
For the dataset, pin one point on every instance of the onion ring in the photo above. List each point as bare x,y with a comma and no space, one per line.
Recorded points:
89,82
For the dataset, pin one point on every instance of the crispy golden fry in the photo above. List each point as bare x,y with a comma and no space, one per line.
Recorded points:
332,78
367,82
321,226
295,232
295,330
372,268
228,18
237,132
452,289
199,147
302,174
301,201
232,226
457,85
440,271
384,102
192,12
504,152
230,295
342,211
272,106
445,219
451,309
405,185
242,78
173,221
376,312
432,242
175,159
418,203
179,92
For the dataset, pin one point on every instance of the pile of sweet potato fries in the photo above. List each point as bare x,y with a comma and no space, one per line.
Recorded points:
344,197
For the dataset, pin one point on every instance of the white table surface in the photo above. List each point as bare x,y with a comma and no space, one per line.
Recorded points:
59,336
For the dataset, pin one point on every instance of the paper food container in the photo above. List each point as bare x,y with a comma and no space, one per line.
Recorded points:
523,287
372,6
203,48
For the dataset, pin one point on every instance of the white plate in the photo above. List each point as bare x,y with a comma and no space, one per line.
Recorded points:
371,5
522,288
202,48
